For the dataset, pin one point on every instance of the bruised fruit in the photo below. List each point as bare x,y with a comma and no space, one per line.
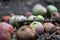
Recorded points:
48,26
40,18
53,29
5,18
38,9
32,17
55,15
58,30
51,9
7,27
14,20
37,26
25,33
5,35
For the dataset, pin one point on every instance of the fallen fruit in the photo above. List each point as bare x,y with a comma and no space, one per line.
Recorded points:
38,9
7,27
17,20
5,35
40,18
32,17
5,18
37,26
55,15
48,26
25,33
51,9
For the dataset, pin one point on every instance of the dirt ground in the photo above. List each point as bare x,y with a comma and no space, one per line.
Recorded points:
18,6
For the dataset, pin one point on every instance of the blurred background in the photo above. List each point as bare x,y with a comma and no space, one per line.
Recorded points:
19,6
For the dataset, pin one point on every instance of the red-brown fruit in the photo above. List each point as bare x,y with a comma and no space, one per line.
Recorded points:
4,35
48,26
58,30
5,18
55,15
25,33
53,29
6,27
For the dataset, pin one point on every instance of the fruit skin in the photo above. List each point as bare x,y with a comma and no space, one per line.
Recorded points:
38,9
51,9
40,18
58,30
48,26
37,26
25,33
5,18
7,27
14,20
4,35
53,29
56,16
32,17
27,14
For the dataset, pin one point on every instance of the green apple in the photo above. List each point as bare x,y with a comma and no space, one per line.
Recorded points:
17,20
51,9
32,17
38,9
40,18
37,26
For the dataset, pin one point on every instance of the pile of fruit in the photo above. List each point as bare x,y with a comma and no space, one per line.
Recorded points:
31,25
